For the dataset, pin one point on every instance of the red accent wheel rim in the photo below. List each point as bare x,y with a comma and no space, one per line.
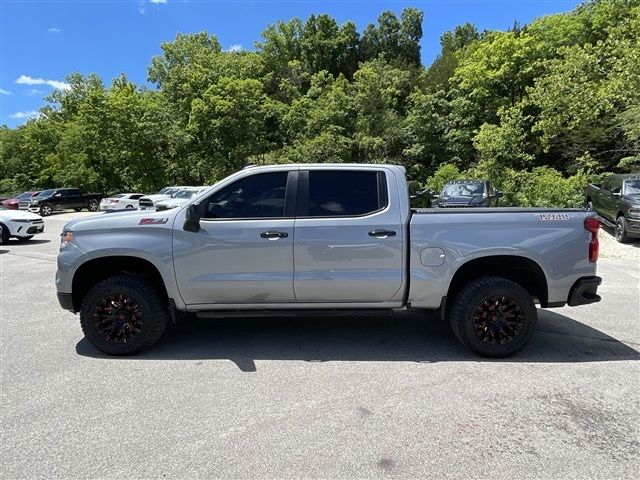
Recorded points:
118,318
498,320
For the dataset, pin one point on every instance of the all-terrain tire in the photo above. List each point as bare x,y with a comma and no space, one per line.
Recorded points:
140,291
77,209
474,302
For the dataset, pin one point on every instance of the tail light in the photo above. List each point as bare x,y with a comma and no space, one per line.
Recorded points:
592,225
115,201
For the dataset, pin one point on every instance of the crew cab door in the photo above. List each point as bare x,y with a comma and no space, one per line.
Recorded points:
243,252
607,199
348,237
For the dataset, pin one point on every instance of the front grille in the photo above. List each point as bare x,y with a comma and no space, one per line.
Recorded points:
23,205
145,202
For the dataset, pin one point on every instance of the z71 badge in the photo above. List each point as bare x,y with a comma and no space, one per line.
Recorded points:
554,216
153,221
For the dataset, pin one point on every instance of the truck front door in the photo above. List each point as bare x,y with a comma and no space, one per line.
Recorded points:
243,252
348,237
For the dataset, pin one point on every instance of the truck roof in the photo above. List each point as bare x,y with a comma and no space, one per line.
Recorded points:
339,166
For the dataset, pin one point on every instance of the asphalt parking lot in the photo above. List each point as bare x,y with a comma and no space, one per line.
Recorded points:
394,397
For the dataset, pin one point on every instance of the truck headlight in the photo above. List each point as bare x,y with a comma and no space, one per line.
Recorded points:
66,237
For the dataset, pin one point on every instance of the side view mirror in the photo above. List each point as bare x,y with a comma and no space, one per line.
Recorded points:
192,220
617,194
498,194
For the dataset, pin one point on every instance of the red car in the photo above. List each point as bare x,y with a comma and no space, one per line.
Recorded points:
14,202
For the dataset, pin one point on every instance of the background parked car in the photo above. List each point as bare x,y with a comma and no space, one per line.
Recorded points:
14,203
121,201
149,201
467,193
48,201
179,198
19,224
617,202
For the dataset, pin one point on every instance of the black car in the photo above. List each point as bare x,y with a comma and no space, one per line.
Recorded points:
48,201
467,193
617,203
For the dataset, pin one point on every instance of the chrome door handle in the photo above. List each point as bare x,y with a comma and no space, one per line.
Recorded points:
382,233
272,235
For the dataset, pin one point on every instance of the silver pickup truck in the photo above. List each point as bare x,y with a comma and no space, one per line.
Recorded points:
334,239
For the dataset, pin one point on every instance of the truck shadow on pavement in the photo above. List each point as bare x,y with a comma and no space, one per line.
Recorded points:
401,337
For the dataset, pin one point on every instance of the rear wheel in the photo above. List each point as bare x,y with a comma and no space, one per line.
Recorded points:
46,210
25,239
589,205
129,207
93,206
78,209
123,315
493,317
621,230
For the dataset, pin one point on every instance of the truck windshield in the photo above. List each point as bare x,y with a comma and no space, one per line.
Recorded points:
632,187
46,193
463,189
185,194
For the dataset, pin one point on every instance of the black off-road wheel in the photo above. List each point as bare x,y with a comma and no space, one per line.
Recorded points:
93,206
78,209
123,315
493,317
620,231
46,210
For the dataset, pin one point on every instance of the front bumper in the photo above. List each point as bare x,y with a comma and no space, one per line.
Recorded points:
633,227
584,291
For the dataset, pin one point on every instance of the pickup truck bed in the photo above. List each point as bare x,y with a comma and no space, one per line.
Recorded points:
333,238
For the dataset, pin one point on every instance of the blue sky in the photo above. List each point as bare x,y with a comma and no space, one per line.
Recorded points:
43,41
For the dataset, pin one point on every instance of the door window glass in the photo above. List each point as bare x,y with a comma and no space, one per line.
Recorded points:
257,196
344,193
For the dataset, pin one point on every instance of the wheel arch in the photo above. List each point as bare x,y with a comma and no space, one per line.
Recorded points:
521,270
100,268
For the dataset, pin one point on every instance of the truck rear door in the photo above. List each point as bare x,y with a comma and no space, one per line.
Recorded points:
349,237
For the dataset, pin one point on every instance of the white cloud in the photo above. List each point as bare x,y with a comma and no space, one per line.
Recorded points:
54,30
27,80
29,114
158,1
4,92
235,48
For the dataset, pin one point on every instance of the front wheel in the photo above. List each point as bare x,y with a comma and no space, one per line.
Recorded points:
4,235
46,210
25,239
621,230
93,206
493,317
78,209
123,315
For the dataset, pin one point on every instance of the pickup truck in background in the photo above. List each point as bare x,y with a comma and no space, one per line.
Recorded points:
55,199
466,193
617,203
329,239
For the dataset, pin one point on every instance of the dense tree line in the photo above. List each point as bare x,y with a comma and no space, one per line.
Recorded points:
539,109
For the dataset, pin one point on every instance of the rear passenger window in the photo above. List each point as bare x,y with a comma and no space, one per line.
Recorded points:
343,193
